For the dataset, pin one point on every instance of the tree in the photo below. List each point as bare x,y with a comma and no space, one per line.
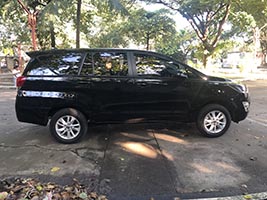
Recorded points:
15,21
32,16
206,17
148,28
54,17
13,25
256,11
179,45
100,7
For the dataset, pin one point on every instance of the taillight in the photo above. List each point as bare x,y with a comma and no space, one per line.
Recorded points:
20,81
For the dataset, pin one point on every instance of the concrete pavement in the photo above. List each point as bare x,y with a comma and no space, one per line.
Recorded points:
140,161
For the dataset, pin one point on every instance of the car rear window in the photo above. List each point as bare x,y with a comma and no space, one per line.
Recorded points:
54,64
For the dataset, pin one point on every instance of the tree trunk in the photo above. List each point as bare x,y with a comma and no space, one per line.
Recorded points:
78,23
263,62
205,60
147,42
52,34
33,35
32,18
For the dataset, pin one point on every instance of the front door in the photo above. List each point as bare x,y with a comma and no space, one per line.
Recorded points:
163,89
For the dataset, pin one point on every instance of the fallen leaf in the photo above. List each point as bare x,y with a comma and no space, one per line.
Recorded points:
93,195
55,169
83,195
50,186
3,195
35,198
102,197
69,189
247,196
39,187
65,195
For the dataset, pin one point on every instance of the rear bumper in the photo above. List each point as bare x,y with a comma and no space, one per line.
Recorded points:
31,113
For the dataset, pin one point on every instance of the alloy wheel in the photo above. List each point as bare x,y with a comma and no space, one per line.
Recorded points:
215,121
68,127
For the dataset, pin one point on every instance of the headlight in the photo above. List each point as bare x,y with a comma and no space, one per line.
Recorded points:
240,87
246,105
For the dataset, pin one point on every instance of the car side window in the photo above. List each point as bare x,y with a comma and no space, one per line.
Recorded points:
147,65
55,64
191,74
110,64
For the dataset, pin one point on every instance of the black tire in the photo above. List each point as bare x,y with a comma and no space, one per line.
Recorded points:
213,120
68,125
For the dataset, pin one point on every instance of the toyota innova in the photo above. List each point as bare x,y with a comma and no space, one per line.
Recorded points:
71,88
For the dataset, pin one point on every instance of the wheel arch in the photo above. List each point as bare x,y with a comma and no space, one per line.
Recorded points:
55,109
225,104
215,124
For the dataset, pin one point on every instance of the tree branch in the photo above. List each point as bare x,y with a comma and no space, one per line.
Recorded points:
24,7
220,29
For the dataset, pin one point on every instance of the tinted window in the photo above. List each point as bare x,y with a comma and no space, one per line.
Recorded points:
110,63
153,66
106,64
55,64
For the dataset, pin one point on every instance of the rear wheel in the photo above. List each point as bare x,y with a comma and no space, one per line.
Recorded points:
213,120
68,125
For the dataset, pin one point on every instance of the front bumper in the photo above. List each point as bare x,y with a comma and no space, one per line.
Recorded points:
242,105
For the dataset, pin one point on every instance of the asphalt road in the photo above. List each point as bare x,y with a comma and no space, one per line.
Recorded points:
140,161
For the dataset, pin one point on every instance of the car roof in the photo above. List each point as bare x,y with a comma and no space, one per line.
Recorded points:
82,50
34,54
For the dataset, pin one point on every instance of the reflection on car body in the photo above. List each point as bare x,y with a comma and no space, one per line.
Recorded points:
71,87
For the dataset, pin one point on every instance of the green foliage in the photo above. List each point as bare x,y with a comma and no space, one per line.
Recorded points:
206,17
13,25
139,26
55,18
242,20
180,45
257,10
148,28
113,38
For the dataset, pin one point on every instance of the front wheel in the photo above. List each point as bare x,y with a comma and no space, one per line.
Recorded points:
68,125
213,120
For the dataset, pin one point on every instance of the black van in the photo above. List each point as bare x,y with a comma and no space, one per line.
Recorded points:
72,87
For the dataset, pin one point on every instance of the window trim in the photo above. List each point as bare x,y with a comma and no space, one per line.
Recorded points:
81,63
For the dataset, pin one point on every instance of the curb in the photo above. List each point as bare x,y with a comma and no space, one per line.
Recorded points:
255,196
